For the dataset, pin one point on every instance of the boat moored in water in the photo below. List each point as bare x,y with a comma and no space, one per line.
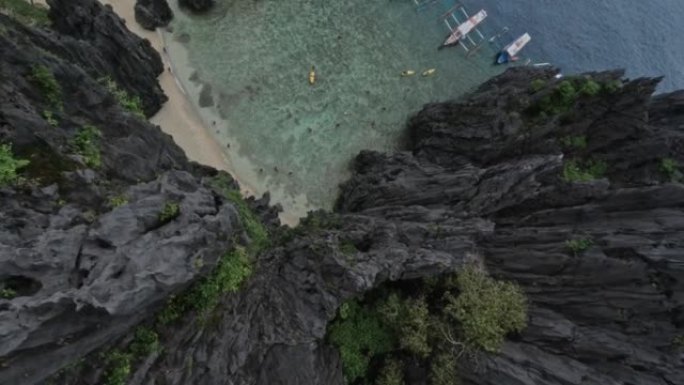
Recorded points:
464,28
508,53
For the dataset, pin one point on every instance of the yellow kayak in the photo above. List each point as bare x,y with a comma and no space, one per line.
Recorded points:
408,73
429,72
312,76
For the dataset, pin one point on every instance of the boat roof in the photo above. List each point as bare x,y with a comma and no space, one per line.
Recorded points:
519,43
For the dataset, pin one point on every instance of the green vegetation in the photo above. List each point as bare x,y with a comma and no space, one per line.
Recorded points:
486,309
432,322
9,165
678,341
256,231
537,85
574,142
579,245
443,370
7,293
590,88
670,168
391,374
170,211
49,117
118,200
410,320
574,171
145,342
347,247
232,270
563,96
360,335
25,12
612,86
87,144
118,368
43,78
130,103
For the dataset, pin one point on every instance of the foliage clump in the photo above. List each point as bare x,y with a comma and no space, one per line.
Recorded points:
443,370
118,200
578,245
486,309
128,102
25,12
431,322
170,211
574,171
410,319
537,85
7,293
50,118
256,231
670,168
9,165
392,373
359,334
590,88
574,142
232,270
118,368
43,78
145,342
87,144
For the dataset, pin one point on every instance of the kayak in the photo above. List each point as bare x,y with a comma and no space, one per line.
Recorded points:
312,76
408,73
429,72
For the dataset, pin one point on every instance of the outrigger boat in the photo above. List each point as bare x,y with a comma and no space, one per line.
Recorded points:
508,53
464,28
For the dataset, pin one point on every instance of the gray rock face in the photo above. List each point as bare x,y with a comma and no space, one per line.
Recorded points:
96,39
481,180
607,315
81,271
151,14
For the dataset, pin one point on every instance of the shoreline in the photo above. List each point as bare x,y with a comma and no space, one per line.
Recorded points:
178,117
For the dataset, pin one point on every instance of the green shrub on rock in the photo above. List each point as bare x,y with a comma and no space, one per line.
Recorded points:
590,88
392,373
87,144
25,12
486,309
574,171
170,211
128,102
43,78
359,334
118,368
9,165
443,370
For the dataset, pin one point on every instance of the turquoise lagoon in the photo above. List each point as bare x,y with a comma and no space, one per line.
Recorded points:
245,66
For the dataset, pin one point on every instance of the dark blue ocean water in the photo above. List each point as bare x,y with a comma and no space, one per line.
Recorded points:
644,37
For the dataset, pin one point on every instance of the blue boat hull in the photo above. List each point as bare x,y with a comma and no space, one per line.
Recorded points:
502,58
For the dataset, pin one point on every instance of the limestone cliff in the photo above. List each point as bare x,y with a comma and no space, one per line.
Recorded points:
570,188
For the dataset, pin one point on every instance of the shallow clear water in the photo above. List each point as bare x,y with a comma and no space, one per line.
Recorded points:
296,140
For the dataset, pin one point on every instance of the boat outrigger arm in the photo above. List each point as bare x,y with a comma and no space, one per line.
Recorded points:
508,53
462,30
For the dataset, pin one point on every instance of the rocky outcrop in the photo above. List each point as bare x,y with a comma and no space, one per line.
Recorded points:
85,251
610,313
197,5
96,39
151,14
496,177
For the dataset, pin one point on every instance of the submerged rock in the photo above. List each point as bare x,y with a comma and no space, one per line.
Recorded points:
197,5
152,14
